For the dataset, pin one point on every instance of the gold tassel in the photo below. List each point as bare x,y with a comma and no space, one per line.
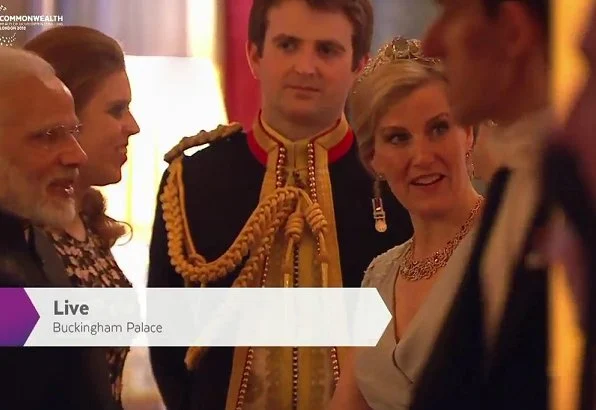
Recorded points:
288,264
193,357
325,274
324,260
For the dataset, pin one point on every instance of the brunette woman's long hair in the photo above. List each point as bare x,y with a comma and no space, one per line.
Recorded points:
83,58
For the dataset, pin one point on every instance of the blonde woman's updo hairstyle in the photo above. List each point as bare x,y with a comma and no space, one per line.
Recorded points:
398,69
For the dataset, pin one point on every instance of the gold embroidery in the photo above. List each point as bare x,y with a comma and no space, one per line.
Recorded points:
282,219
309,376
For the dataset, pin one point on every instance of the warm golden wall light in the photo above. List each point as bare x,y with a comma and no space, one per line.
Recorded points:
172,97
569,19
569,74
201,23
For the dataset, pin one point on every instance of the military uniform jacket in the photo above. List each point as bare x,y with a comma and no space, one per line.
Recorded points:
223,185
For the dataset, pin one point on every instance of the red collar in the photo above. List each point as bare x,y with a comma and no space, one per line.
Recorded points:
334,153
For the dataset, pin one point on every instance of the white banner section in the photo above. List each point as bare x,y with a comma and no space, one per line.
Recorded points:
207,317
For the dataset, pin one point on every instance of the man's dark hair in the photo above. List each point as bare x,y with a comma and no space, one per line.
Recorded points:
359,12
540,9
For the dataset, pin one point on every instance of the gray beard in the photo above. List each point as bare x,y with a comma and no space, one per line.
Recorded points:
26,198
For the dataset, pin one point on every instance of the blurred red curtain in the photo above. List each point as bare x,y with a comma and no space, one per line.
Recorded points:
241,90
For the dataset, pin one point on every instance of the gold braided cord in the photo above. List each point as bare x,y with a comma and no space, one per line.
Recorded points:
289,208
282,206
257,233
202,138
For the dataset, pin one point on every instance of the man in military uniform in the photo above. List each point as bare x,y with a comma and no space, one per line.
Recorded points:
286,203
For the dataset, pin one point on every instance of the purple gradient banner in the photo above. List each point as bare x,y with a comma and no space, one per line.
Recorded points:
18,317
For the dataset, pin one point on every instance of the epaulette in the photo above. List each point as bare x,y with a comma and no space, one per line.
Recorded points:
203,137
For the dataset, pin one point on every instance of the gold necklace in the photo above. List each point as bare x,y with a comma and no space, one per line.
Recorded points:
426,268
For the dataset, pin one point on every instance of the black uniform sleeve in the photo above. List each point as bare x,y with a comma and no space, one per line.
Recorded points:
171,375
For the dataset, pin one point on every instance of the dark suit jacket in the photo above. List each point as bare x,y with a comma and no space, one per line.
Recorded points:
459,373
36,378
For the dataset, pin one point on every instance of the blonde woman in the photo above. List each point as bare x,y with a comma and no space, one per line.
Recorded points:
409,141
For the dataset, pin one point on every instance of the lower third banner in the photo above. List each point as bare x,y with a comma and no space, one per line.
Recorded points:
192,317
